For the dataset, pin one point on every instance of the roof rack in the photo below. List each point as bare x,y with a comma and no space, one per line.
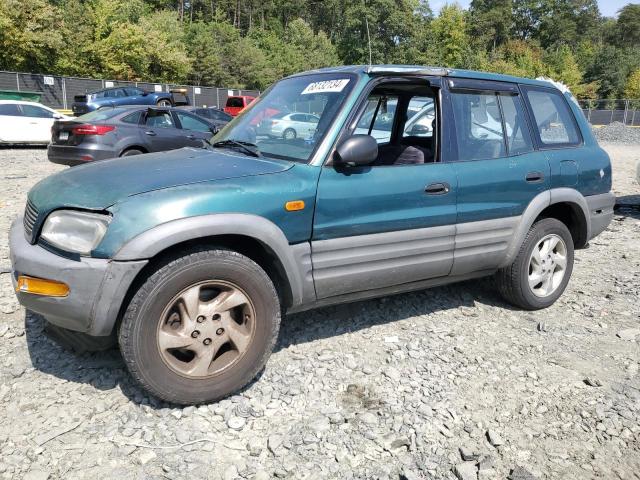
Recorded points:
413,70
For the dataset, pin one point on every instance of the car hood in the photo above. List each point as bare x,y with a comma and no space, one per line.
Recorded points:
97,186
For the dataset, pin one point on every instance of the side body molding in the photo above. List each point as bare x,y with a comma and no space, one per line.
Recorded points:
155,240
535,207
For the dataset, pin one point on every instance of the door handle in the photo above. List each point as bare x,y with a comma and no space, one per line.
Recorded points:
439,188
191,137
150,133
534,177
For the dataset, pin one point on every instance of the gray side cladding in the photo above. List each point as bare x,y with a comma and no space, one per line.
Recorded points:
366,262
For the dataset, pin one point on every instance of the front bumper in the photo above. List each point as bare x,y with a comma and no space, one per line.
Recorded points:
77,155
97,287
600,212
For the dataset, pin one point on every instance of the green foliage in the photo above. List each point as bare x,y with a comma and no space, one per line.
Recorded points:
252,43
632,88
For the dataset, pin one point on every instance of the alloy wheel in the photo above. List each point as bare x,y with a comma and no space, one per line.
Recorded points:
547,265
206,328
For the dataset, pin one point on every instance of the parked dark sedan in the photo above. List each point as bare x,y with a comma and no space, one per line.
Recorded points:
118,96
214,115
124,131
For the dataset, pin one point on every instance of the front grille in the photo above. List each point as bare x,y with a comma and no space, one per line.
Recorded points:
30,217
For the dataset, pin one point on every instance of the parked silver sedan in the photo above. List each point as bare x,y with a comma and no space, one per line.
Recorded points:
289,125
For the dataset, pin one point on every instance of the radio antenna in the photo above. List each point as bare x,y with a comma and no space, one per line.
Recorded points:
366,21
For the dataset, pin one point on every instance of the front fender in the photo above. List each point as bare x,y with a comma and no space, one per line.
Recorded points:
296,259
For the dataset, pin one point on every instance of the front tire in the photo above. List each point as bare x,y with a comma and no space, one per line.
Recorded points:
542,269
200,327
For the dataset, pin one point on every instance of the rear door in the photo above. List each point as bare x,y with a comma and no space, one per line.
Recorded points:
14,126
40,121
162,132
499,171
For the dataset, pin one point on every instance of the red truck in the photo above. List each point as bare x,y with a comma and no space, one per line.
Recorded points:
237,103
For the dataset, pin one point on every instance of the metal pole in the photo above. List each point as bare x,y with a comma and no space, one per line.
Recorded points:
18,81
626,110
64,93
217,98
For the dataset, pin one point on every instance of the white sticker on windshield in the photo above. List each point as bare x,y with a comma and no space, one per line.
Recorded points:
326,86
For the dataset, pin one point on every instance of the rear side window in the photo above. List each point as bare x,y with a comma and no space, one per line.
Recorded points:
555,122
10,109
517,129
478,125
133,118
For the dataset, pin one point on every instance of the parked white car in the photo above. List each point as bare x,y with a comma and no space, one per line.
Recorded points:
289,125
26,122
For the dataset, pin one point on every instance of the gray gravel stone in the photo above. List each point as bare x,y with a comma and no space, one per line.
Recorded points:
466,471
338,401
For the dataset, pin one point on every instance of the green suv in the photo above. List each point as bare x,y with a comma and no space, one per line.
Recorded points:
410,177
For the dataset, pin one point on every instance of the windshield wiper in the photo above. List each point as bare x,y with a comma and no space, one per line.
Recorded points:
250,148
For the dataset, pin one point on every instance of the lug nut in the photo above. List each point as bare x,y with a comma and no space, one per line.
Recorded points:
220,331
216,317
200,319
195,333
207,341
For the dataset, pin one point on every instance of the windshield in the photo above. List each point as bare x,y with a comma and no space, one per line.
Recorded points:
291,117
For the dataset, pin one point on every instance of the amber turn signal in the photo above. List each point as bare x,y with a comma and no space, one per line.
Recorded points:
40,286
294,205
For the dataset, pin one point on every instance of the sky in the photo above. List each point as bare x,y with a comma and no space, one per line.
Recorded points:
608,8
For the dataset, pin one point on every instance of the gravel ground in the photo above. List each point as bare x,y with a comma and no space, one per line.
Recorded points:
446,383
618,133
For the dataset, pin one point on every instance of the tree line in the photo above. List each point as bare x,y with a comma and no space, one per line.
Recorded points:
252,43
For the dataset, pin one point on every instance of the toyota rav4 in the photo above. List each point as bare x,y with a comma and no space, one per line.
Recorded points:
411,177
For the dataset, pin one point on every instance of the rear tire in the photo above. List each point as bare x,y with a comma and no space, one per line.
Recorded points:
542,269
289,134
130,152
166,312
163,102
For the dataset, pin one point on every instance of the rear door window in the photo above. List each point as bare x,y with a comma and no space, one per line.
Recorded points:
478,121
36,112
10,109
555,123
159,120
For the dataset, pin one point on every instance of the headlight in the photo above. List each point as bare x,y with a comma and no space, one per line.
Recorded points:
77,232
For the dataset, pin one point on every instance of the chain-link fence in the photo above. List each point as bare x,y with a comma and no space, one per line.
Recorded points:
604,112
58,92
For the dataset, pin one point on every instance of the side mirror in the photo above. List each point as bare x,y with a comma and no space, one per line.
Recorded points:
418,130
58,116
357,150
145,93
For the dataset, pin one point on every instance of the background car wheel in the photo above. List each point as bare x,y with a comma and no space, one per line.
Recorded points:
541,270
289,134
163,102
200,327
131,151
